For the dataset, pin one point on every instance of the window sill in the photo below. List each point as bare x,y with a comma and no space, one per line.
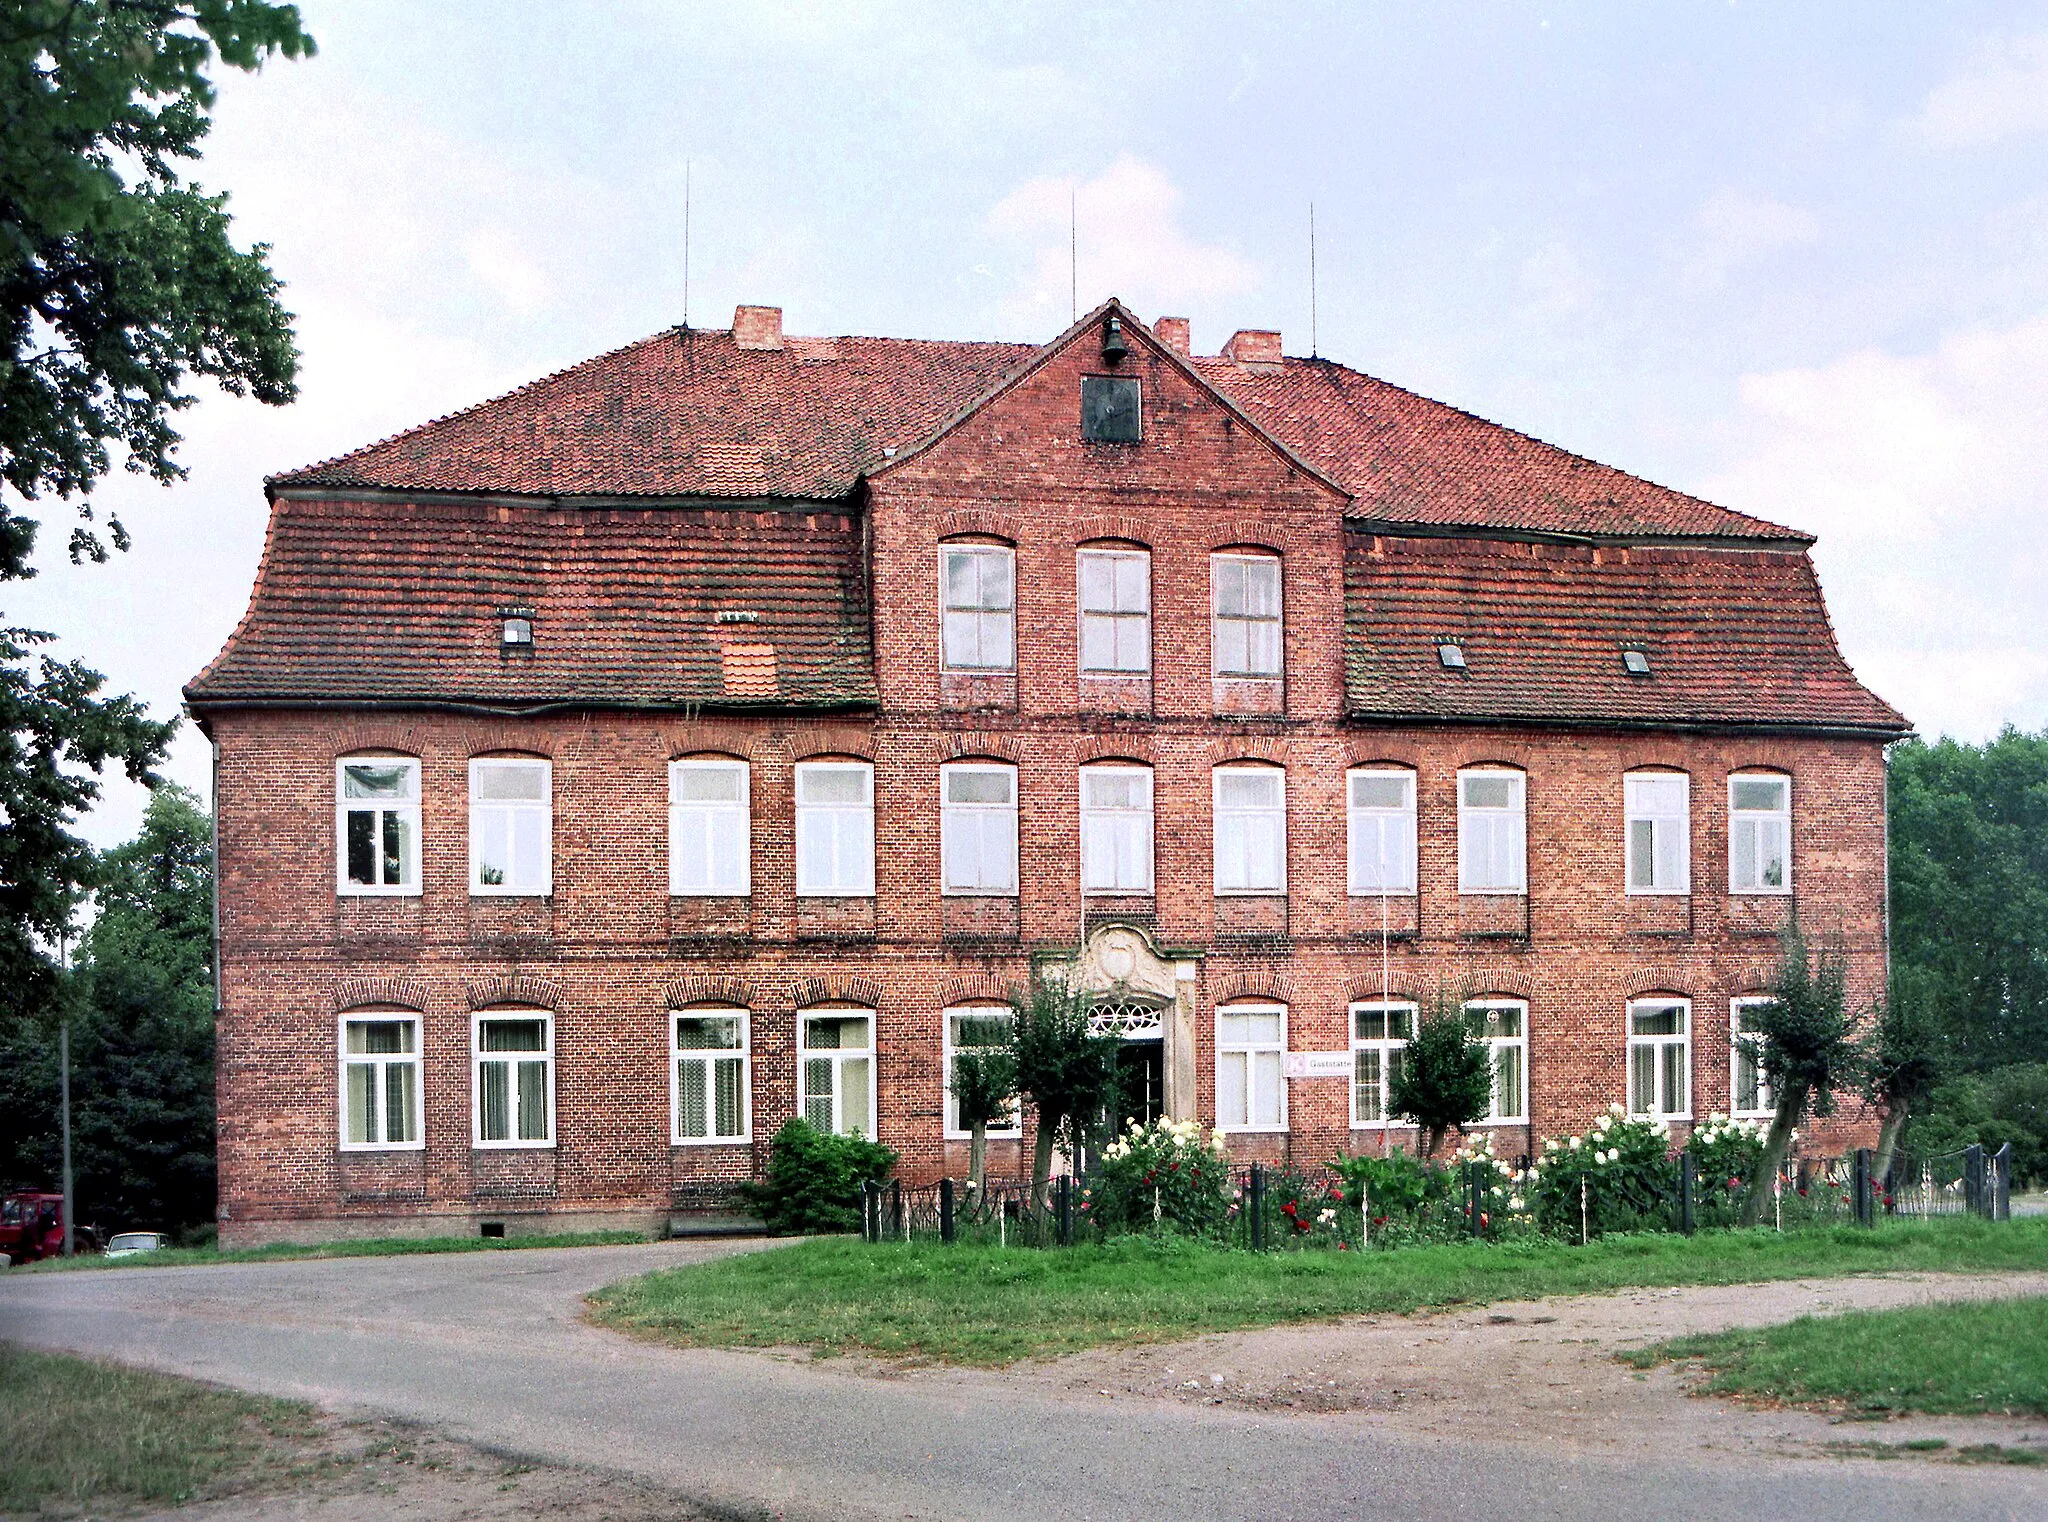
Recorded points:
377,893
837,893
379,1149
476,892
977,892
1659,892
1384,1125
712,1141
1759,892
1279,1130
1013,1134
1251,893
518,1146
1465,892
1377,893
1669,1120
675,892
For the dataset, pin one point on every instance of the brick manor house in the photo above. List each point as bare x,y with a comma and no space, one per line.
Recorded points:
716,730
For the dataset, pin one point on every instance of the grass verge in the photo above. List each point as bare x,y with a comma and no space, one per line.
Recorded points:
991,1306
78,1435
1972,1359
379,1247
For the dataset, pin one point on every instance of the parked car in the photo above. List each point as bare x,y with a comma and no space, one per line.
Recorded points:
129,1244
32,1227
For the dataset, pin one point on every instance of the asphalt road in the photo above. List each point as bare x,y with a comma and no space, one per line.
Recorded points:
489,1347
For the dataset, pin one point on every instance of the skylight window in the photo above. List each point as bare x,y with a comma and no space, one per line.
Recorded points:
1636,662
1452,654
515,630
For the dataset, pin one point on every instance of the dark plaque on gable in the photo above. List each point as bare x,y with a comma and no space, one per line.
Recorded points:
1109,409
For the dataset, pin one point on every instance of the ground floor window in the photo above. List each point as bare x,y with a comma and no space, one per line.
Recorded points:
977,1028
1251,1093
1751,1095
836,1071
515,1078
1502,1026
380,1080
709,1052
1379,1043
1659,1058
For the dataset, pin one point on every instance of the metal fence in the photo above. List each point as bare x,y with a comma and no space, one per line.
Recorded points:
1268,1208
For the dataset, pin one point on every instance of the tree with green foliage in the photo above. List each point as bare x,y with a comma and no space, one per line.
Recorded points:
1065,1068
984,1087
814,1179
1803,1040
1969,856
1902,1059
118,283
140,1001
1444,1081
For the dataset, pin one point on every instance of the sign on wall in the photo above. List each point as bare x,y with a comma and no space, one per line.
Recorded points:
1319,1064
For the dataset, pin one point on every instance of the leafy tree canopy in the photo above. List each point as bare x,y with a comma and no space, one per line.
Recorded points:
118,280
1444,1081
1969,857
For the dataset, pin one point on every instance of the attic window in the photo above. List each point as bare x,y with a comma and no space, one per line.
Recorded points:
1109,409
515,629
1452,655
1636,662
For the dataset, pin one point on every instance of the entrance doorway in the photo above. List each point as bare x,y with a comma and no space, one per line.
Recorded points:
1140,1082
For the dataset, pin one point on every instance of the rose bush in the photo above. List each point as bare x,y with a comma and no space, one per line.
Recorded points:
1164,1175
1628,1175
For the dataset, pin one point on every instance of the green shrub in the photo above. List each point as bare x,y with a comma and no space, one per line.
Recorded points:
814,1180
1161,1175
1725,1155
1629,1177
1394,1186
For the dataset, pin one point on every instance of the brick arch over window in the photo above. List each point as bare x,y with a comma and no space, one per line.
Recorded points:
519,988
1658,983
701,739
509,739
1366,990
702,988
961,522
1482,980
1007,749
1368,754
406,739
1112,526
354,993
1251,534
1126,750
823,744
843,990
1244,987
980,988
1247,748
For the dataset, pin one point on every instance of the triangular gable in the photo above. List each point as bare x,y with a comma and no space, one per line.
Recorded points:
1135,331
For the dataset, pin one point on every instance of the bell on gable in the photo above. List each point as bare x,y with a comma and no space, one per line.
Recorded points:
1114,347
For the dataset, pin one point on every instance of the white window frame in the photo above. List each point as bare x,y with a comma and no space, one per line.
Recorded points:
408,812
1276,814
1516,819
1682,1109
1662,826
712,812
1754,818
982,614
380,1063
1496,1115
809,817
1375,823
480,810
1766,1101
1387,1048
1120,615
957,818
1115,823
1250,1054
805,1054
478,1057
709,1056
953,1130
1233,559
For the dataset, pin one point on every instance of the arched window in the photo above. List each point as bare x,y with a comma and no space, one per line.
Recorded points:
1380,1033
1245,613
511,825
1116,829
1759,833
836,1070
978,607
1660,1057
835,828
978,828
708,1057
1251,1086
1502,1027
377,824
1116,609
1658,810
709,826
1251,829
1381,819
1492,831
513,1060
977,1027
380,1079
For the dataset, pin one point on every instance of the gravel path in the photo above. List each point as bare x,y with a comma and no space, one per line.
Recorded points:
490,1348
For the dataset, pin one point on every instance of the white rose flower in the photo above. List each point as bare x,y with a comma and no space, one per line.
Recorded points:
1575,1144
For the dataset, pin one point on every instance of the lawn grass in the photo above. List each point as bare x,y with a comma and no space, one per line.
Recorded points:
79,1435
1968,1359
991,1306
377,1247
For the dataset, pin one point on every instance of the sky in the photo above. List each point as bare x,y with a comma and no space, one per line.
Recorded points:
1792,258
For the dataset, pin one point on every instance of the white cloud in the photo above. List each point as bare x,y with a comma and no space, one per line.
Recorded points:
1735,228
2001,93
1925,478
1131,244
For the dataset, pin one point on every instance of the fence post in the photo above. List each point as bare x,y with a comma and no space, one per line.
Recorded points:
1255,1198
1688,1180
896,1209
1475,1199
2001,1184
871,1210
1066,1209
1866,1213
1973,1178
946,1210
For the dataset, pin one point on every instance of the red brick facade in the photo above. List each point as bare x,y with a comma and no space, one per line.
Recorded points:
609,953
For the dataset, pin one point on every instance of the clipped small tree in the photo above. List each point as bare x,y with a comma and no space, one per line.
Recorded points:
1065,1069
1903,1062
1445,1081
1803,1041
985,1093
814,1179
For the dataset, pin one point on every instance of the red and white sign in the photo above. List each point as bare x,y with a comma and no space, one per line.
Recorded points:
1318,1064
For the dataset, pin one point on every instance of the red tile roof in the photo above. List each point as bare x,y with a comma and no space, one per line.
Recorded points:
689,413
390,602
1734,637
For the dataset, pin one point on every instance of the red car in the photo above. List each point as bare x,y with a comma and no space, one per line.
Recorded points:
32,1227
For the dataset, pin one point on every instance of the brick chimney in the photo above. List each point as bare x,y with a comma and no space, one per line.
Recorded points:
1254,346
1173,332
757,327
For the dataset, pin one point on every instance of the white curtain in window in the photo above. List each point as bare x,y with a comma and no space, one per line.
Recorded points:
1116,610
835,828
1116,829
1247,614
709,827
509,826
1251,830
1491,839
1250,1087
978,829
1382,831
979,622
1659,814
1759,834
